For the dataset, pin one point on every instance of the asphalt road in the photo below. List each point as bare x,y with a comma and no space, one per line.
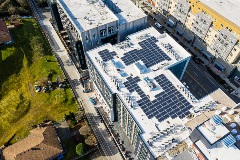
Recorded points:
198,81
151,22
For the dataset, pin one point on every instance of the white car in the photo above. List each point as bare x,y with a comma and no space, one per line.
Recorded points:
158,25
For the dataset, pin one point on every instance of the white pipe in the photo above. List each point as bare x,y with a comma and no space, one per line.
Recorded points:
235,106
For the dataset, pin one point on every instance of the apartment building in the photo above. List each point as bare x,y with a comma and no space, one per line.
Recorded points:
215,25
91,23
137,82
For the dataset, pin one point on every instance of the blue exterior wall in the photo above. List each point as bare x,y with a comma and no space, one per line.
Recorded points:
179,69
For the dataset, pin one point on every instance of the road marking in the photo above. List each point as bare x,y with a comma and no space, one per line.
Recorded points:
197,82
207,75
196,74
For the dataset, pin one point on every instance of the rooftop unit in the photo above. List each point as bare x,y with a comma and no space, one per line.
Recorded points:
139,67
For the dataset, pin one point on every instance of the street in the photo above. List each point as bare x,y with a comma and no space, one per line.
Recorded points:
197,79
108,149
198,82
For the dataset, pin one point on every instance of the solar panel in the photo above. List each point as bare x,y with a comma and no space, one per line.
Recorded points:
106,55
150,53
169,103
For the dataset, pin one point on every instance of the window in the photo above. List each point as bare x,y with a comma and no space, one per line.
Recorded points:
116,28
110,30
86,38
221,25
97,42
94,36
91,43
102,33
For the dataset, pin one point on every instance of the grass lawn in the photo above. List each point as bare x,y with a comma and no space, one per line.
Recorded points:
21,64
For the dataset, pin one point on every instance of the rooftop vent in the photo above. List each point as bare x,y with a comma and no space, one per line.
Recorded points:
143,36
101,4
124,44
139,67
92,1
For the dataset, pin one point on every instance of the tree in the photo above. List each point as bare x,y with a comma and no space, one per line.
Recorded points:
81,149
91,140
85,130
70,116
14,17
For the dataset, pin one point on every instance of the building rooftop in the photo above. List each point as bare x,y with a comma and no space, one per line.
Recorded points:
125,10
223,142
42,143
94,13
87,14
4,33
137,69
213,132
227,8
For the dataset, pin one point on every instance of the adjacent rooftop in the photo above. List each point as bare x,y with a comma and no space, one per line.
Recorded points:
213,129
87,14
137,69
227,8
223,142
42,143
125,10
4,33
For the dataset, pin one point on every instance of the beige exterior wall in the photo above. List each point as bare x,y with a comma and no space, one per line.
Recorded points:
234,54
172,7
190,20
211,37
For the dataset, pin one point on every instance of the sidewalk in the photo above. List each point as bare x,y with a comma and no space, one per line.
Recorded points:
109,149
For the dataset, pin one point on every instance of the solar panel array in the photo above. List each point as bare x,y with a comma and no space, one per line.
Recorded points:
151,54
169,103
106,55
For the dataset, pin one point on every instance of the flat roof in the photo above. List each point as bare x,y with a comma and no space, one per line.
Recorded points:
125,10
87,15
152,94
218,151
227,8
213,133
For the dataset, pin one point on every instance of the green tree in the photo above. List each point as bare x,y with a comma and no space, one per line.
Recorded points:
85,130
81,149
91,140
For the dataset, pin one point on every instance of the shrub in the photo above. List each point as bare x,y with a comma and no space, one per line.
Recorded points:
85,130
81,148
91,140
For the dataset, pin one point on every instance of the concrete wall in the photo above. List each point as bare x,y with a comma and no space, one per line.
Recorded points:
92,38
131,27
